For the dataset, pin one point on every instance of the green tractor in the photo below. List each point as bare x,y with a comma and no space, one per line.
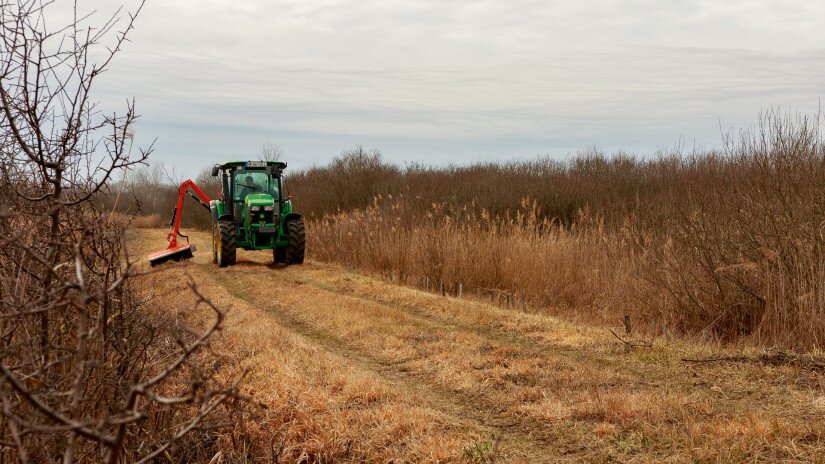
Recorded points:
253,214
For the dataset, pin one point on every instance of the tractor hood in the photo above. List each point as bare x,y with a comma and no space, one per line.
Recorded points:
259,199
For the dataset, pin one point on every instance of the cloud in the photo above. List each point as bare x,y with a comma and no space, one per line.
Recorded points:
437,80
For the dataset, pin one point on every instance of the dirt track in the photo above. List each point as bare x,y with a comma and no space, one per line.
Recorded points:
397,373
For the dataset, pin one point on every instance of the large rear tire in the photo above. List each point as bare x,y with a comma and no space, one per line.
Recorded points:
297,241
228,241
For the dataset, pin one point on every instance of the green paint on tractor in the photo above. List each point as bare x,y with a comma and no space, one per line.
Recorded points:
252,213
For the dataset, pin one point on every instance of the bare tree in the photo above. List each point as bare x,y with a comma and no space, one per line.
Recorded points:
271,151
88,371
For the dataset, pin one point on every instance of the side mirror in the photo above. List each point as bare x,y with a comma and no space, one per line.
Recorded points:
215,171
274,171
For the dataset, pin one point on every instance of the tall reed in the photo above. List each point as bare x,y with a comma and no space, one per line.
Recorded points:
574,269
728,243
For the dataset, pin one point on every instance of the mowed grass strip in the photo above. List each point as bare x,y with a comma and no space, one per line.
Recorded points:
319,406
552,390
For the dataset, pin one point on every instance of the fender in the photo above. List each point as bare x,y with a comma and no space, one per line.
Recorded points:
216,216
291,216
287,218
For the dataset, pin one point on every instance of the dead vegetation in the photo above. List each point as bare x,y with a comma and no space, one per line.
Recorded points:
317,404
720,245
726,244
90,371
102,361
356,369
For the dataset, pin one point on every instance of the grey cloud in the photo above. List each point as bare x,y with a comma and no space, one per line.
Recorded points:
435,80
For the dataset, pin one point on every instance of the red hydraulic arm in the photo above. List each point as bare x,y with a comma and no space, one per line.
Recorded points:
201,198
174,251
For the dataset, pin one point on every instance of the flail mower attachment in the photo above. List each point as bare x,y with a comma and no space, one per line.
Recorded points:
175,252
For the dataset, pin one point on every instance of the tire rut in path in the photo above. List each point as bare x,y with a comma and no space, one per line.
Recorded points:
526,345
517,434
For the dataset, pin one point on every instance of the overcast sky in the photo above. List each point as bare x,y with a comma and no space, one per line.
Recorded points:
448,81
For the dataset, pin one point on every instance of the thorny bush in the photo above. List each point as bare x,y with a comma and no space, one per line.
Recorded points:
90,370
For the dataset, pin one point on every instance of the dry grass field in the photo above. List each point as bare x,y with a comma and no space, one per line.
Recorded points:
352,368
721,244
446,313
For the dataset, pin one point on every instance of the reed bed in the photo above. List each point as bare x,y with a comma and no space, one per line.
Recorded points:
725,245
578,269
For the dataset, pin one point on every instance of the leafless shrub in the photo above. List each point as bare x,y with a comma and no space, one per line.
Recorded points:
88,371
350,181
271,151
744,254
144,191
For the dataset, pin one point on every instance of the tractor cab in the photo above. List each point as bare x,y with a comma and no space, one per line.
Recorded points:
239,179
252,189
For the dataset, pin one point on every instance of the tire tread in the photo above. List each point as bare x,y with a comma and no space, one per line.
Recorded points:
296,247
228,244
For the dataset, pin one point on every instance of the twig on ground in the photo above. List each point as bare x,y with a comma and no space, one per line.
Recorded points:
629,344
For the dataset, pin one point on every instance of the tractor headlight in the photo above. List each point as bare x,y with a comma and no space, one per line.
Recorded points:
268,208
254,208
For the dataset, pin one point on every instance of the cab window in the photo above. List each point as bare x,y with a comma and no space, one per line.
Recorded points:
253,181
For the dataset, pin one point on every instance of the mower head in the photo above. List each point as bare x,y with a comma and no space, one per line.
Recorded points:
173,253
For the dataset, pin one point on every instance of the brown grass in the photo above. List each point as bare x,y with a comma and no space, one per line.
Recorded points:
316,406
353,368
579,269
726,245
149,221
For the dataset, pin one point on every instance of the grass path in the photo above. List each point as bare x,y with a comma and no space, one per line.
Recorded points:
394,373
474,413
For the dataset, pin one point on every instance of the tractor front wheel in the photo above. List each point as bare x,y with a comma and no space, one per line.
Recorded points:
227,241
297,241
216,240
279,254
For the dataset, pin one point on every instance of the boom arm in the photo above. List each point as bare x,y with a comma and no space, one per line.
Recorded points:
201,198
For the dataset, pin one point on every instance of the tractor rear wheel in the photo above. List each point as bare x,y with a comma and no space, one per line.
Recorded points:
297,241
227,241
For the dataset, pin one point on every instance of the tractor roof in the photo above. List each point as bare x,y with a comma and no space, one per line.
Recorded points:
252,163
